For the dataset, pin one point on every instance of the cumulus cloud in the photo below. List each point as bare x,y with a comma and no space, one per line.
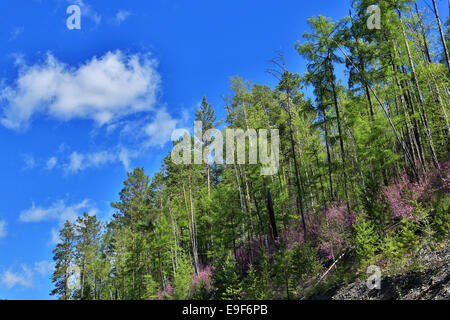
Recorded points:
125,156
141,135
24,276
79,162
160,129
3,232
82,161
121,16
59,210
44,267
102,89
51,163
10,279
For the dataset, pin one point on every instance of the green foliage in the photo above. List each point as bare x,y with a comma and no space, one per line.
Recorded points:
183,276
254,287
441,218
400,247
202,292
227,279
305,265
151,288
64,259
366,241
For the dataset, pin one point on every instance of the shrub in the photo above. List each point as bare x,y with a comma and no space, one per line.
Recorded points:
201,283
440,221
400,248
254,286
227,280
335,229
183,276
167,293
305,266
366,241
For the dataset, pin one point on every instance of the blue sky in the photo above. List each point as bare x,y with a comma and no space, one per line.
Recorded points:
78,108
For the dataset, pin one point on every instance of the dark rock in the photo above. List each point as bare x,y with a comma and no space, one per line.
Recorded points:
431,284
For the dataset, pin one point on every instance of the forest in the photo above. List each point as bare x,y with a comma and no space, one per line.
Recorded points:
363,177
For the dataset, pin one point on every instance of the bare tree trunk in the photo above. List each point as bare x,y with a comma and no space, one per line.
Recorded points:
422,31
191,230
419,94
83,277
272,215
330,175
341,141
209,180
194,228
444,44
434,89
299,190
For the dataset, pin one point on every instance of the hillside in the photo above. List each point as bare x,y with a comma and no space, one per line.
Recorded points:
433,283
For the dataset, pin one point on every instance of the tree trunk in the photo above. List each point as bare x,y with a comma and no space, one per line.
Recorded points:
422,104
194,229
299,190
444,44
341,141
330,174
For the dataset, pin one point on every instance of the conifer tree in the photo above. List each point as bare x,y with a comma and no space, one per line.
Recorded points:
64,257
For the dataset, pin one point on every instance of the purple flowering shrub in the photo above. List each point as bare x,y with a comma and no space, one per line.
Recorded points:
403,196
412,203
166,293
329,229
249,253
335,229
393,246
203,278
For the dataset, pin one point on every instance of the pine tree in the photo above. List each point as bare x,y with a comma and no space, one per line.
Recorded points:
87,245
182,278
64,257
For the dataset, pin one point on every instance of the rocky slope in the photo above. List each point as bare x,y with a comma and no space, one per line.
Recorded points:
433,283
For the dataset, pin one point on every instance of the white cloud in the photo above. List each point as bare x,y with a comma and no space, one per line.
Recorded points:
103,89
3,232
30,163
24,277
51,163
125,156
160,129
55,236
44,267
59,210
157,133
121,16
10,279
79,162
76,162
